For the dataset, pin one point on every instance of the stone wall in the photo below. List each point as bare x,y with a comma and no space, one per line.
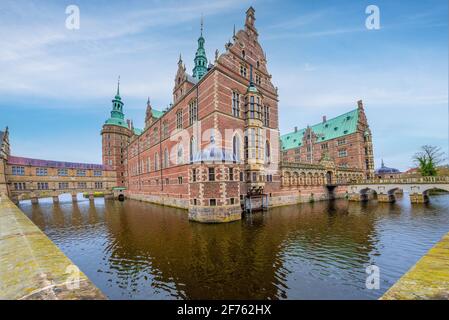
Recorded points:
32,266
166,200
208,214
428,279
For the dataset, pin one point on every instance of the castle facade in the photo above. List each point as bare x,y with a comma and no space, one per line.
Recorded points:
217,149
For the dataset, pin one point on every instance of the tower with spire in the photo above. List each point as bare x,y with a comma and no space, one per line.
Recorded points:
200,60
148,114
116,133
117,115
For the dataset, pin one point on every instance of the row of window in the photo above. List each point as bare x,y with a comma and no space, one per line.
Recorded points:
254,149
254,109
244,74
20,171
252,177
213,202
61,185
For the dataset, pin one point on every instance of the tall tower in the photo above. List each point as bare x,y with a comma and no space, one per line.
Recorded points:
148,114
200,60
116,135
254,142
367,151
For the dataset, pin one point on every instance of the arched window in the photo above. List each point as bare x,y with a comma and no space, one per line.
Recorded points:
243,54
267,151
192,148
236,148
166,158
156,161
180,153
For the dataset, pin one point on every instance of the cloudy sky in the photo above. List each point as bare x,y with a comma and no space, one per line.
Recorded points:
56,84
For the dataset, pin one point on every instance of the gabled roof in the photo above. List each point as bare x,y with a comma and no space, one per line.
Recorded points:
333,128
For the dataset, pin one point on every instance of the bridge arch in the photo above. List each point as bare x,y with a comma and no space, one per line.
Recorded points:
428,188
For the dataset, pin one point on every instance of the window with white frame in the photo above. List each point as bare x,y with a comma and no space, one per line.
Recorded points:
235,104
180,154
156,162
342,153
243,71
42,185
266,116
166,158
179,119
82,185
18,171
98,173
193,111
98,185
41,171
165,129
63,185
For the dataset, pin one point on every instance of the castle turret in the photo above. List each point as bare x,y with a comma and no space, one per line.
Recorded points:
115,137
200,60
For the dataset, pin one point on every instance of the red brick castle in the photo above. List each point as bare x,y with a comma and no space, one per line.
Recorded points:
216,150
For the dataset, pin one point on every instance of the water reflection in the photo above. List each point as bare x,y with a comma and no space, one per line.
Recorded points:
135,250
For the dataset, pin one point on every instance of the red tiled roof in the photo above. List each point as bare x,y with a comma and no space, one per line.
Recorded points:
55,164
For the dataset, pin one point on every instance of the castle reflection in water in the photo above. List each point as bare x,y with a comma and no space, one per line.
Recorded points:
135,250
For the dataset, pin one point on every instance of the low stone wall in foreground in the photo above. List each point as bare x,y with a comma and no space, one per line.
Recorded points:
32,266
428,279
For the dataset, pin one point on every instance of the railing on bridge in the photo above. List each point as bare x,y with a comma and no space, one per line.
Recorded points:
438,179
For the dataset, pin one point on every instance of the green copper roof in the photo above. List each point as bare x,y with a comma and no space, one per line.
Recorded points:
138,131
156,113
333,128
116,122
200,60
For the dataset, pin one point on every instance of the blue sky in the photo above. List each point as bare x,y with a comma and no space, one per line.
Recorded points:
56,85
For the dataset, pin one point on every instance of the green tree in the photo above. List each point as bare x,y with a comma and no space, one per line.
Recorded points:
428,159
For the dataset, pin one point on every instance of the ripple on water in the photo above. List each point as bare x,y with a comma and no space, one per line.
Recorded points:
134,250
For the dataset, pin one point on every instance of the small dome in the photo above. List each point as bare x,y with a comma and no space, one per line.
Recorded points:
386,170
213,153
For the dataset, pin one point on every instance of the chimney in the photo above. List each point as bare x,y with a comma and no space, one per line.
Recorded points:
360,104
296,129
128,122
324,119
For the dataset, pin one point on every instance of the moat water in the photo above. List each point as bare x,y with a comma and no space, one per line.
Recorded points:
136,250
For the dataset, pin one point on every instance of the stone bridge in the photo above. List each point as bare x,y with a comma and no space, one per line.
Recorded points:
25,178
385,189
35,195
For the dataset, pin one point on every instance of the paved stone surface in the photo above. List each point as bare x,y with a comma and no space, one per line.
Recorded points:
32,266
428,279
